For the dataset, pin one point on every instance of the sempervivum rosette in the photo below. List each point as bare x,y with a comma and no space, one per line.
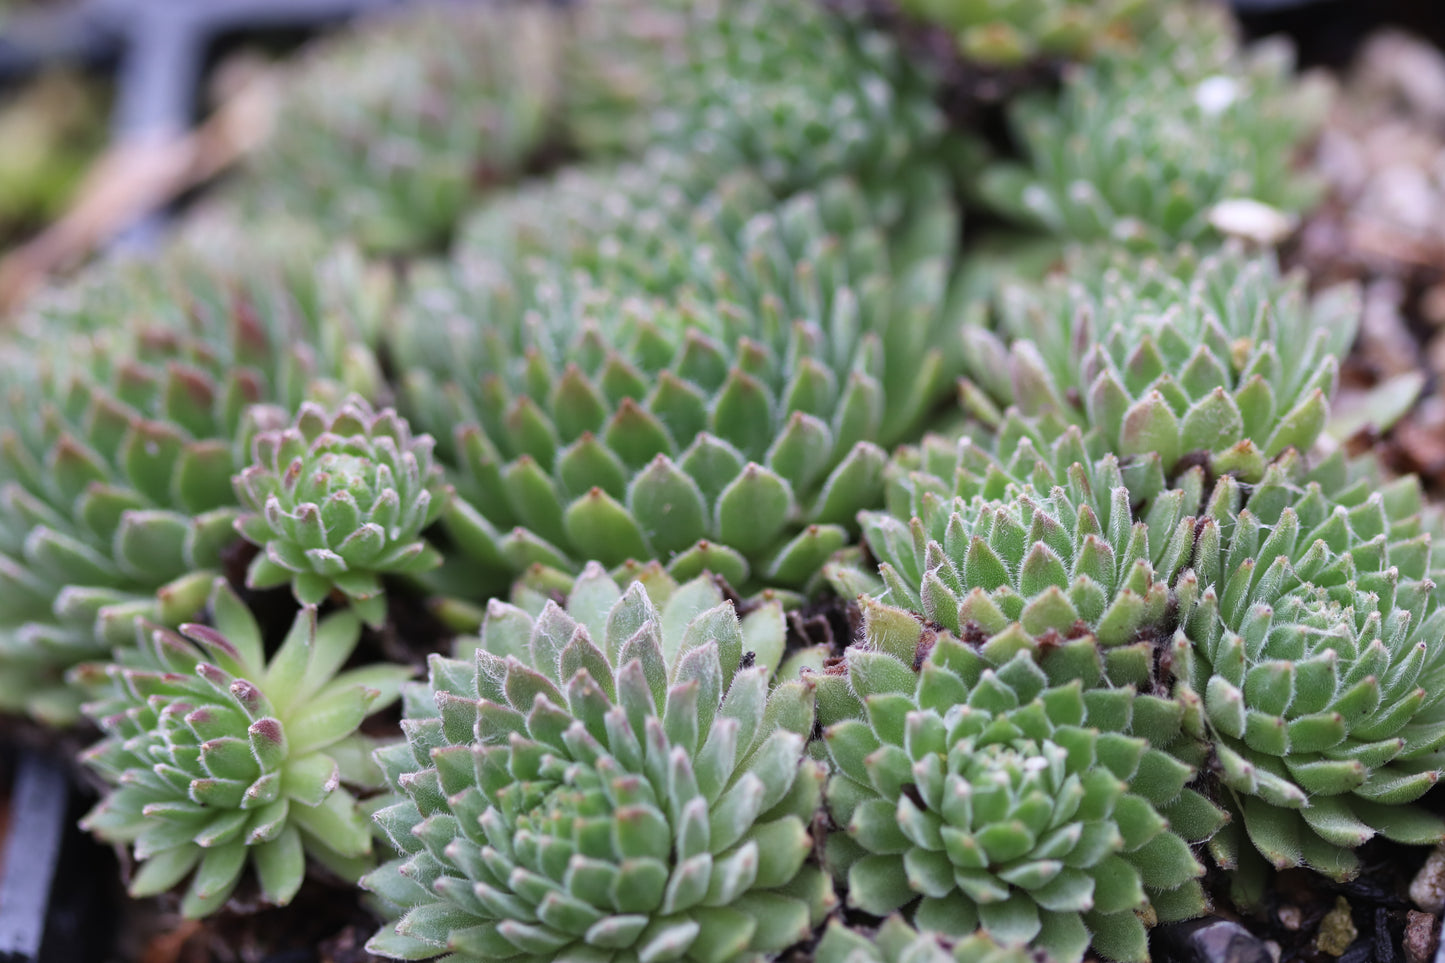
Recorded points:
613,781
734,425
221,761
1217,357
337,500
117,448
976,792
1307,643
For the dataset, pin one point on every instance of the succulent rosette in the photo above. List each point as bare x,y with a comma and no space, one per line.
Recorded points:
976,791
614,780
1307,648
117,448
336,501
393,162
1218,357
735,426
1162,148
221,761
794,91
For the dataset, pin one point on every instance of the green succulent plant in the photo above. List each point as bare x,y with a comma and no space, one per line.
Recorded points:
392,161
1011,32
734,427
896,942
116,453
1306,649
794,91
338,499
1144,152
981,790
611,781
1215,356
220,760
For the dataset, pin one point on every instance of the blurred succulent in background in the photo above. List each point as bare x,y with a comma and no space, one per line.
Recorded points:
220,760
786,87
337,500
1007,798
1011,32
382,145
116,452
1146,155
612,780
1215,356
734,427
1306,645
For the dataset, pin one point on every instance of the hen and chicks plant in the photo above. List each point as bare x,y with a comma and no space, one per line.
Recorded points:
801,649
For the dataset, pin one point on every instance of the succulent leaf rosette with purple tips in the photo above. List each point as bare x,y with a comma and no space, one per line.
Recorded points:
221,760
336,501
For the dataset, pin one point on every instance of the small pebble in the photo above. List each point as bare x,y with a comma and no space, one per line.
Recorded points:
1252,220
1422,936
1213,941
1290,917
1337,929
1427,889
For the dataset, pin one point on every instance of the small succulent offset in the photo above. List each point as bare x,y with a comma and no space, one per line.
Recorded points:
220,760
1144,154
336,501
980,793
1216,356
610,781
1307,647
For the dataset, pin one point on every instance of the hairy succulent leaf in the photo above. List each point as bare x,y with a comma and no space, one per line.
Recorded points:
896,942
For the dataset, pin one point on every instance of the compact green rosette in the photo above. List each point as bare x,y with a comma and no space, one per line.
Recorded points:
980,787
223,762
1161,148
610,781
336,501
733,424
1307,651
1216,357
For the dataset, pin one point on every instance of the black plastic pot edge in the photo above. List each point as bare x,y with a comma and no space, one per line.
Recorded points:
54,881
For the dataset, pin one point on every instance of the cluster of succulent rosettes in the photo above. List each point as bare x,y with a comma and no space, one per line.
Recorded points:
1218,356
1147,153
1306,651
393,162
798,92
1002,783
897,942
610,781
736,429
1013,32
338,499
221,761
116,454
